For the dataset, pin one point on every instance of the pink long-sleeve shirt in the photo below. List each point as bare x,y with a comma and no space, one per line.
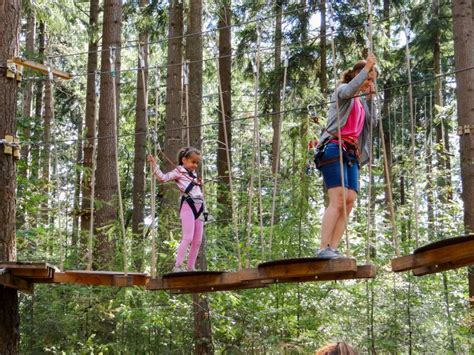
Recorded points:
182,179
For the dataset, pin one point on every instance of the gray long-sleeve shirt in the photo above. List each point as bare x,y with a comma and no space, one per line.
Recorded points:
345,95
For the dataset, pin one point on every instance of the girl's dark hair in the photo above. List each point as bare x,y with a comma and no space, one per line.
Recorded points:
186,152
337,349
350,74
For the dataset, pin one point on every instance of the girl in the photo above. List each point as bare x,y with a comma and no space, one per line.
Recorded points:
192,203
354,119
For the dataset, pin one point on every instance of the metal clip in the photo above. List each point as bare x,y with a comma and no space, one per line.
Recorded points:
286,56
186,73
112,50
97,83
312,113
254,66
141,56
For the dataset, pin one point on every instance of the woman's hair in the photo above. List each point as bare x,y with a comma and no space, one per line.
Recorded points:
350,74
186,152
337,349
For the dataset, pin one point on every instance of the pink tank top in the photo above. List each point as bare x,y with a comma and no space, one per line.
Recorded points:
354,123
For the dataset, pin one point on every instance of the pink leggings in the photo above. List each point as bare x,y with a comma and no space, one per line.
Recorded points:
192,234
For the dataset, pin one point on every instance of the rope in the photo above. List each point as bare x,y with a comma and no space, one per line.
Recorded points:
255,154
153,227
112,58
186,92
227,152
90,241
278,147
341,160
412,124
371,131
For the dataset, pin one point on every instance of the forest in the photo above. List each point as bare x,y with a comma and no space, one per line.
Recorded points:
101,84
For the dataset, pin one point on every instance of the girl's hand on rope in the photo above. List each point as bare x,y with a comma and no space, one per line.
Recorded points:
151,160
370,62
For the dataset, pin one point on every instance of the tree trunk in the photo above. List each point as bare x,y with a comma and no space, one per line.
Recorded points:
225,73
106,177
464,58
173,124
138,214
9,42
90,119
202,324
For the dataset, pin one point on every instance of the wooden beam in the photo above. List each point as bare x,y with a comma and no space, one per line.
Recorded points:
41,68
312,267
438,256
433,269
206,289
101,278
363,272
11,281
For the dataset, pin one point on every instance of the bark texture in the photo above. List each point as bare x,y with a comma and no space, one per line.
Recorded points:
464,58
9,42
138,213
106,177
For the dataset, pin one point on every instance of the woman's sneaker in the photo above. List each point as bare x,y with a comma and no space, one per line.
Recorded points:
328,253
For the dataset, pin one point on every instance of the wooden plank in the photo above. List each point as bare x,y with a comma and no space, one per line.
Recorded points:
23,265
310,268
444,255
42,68
432,269
233,287
11,281
30,273
363,272
100,278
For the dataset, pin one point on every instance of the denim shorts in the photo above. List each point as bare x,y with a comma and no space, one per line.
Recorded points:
332,172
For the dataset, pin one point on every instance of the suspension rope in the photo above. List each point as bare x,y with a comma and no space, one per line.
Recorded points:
112,58
255,156
406,25
370,48
186,97
93,142
227,152
339,136
278,147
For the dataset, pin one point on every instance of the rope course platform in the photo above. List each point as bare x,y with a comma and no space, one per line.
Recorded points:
447,254
23,275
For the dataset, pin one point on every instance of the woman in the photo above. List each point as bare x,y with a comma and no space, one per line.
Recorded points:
351,108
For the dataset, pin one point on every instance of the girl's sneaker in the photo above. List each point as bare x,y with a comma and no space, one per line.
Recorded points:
179,268
328,253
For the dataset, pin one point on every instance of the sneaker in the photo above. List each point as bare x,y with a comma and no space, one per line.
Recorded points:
179,268
338,255
327,253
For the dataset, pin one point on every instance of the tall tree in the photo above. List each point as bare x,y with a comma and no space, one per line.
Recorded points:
225,74
173,124
90,115
464,58
193,54
9,42
323,74
106,177
140,142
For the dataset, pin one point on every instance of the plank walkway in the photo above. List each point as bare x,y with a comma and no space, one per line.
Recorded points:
23,276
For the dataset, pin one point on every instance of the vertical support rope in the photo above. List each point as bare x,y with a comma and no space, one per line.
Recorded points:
153,226
90,241
255,155
412,124
341,160
375,112
112,58
186,97
278,147
229,167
